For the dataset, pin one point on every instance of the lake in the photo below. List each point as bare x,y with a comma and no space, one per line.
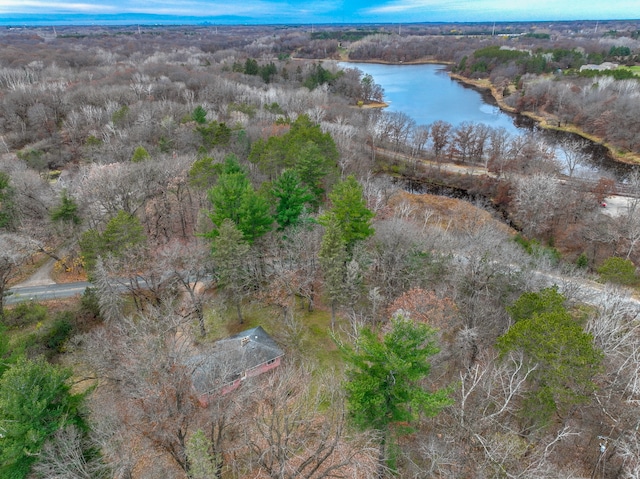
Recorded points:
427,94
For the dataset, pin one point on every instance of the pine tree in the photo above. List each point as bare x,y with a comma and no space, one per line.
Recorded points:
385,391
292,199
564,356
233,197
333,260
67,211
35,402
230,255
351,213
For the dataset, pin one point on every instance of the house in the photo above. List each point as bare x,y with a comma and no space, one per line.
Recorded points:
232,360
602,67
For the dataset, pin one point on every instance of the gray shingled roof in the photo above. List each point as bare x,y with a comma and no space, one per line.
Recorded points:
230,357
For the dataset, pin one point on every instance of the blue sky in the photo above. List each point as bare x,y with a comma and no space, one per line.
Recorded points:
340,11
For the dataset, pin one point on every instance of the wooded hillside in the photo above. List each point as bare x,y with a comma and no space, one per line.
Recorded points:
209,180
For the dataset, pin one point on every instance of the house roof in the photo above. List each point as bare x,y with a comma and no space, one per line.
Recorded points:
232,356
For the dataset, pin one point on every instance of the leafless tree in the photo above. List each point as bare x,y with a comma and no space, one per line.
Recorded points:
142,362
573,154
419,139
189,265
440,136
289,438
14,251
535,200
67,456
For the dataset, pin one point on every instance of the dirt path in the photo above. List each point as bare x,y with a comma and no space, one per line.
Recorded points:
41,277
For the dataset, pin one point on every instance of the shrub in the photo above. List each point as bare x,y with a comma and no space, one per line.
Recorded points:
618,270
59,332
25,314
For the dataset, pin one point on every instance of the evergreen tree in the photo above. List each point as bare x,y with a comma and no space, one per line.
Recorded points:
333,260
7,209
203,463
351,213
67,211
292,199
203,173
122,233
564,356
230,255
199,115
385,390
312,168
251,67
35,402
547,300
233,197
140,154
304,141
618,270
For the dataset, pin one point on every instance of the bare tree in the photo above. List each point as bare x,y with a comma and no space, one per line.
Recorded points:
142,362
67,455
535,201
573,154
419,138
189,264
14,251
440,136
289,437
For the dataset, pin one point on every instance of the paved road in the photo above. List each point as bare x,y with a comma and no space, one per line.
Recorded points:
45,292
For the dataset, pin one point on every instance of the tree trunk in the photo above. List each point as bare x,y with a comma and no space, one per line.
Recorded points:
239,311
333,315
382,457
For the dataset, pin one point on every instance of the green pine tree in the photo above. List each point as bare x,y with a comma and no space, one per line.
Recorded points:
292,198
350,210
67,211
35,402
333,260
564,356
385,390
230,255
233,197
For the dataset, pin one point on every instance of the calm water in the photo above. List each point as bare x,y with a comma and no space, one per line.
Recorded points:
427,94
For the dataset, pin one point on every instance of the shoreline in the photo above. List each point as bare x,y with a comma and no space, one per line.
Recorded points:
425,61
547,121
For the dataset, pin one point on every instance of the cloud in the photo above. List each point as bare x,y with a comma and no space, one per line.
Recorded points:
282,9
483,10
35,6
405,6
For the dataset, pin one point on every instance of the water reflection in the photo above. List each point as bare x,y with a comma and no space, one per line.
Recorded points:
426,93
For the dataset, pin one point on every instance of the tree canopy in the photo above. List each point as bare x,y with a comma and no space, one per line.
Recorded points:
7,210
292,198
350,210
563,355
385,378
122,233
233,197
305,148
35,402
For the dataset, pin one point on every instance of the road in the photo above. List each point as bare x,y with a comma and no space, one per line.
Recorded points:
44,292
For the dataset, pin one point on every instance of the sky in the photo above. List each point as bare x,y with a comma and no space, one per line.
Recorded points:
329,11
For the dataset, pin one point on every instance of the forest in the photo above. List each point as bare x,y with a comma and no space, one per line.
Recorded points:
450,300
